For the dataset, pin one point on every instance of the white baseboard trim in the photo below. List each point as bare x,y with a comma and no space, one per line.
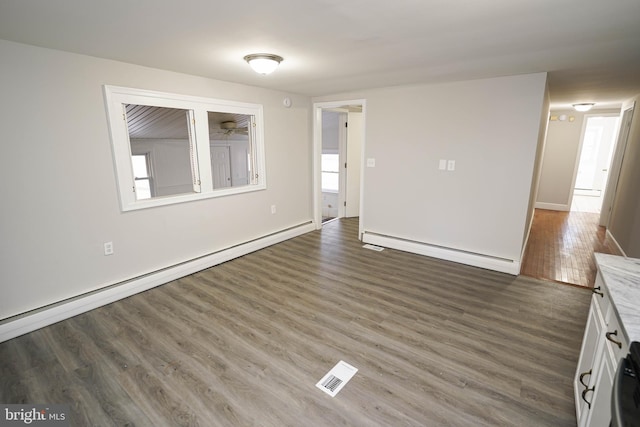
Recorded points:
469,258
526,242
613,239
36,319
553,206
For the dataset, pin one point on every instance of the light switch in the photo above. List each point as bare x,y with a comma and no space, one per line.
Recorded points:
371,163
451,165
443,165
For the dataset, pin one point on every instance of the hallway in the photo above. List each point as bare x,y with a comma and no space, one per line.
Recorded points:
561,246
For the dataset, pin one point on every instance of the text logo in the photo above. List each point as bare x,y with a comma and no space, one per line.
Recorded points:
40,415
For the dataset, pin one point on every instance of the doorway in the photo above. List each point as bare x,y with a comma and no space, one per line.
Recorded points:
338,153
596,148
561,244
334,136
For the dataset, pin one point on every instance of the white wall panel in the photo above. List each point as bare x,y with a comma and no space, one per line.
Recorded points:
490,128
64,205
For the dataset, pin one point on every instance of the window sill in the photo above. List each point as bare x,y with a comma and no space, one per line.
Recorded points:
191,197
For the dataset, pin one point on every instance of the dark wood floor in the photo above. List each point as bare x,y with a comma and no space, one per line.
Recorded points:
243,344
561,247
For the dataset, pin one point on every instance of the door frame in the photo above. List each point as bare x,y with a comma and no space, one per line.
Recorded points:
615,167
585,119
317,156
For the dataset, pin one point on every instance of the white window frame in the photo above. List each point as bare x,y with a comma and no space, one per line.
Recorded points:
117,97
323,171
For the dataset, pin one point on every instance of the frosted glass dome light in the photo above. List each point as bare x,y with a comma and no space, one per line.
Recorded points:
263,63
585,106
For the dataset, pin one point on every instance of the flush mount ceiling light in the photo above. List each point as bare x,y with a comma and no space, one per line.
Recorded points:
585,106
263,63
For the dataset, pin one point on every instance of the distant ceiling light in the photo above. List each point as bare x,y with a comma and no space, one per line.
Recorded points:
586,106
263,63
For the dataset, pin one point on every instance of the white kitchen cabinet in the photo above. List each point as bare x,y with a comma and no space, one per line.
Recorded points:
603,345
587,365
600,413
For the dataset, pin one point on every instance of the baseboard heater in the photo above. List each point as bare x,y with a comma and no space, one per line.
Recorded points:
30,321
488,262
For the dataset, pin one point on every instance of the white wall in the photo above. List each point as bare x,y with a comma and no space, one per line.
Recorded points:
537,167
59,190
560,159
489,127
355,139
171,163
624,223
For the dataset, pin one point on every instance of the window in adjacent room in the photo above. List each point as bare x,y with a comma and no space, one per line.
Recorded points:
330,172
172,148
142,176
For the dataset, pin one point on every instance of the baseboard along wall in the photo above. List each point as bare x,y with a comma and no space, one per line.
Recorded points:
615,242
36,319
469,258
553,206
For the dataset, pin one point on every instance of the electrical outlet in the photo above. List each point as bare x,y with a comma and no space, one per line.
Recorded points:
108,248
451,165
273,209
443,165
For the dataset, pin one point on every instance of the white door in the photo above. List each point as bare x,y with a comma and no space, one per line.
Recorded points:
240,166
586,372
616,164
355,130
221,166
597,145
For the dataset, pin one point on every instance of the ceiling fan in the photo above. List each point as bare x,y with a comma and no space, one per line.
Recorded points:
230,127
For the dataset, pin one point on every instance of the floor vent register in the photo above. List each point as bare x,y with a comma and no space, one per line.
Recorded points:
336,378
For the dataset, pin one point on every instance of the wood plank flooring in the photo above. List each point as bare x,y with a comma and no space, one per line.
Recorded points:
561,247
243,344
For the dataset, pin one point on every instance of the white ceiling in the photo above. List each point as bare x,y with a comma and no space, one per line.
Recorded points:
591,48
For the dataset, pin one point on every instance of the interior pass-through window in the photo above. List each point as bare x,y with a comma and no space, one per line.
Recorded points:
171,148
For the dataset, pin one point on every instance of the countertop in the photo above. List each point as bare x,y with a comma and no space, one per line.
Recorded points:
621,277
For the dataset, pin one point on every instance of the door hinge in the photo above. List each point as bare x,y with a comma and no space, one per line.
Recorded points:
346,124
345,165
345,203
